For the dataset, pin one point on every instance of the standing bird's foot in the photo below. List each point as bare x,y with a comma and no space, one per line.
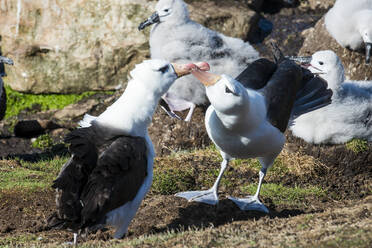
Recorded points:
205,196
249,203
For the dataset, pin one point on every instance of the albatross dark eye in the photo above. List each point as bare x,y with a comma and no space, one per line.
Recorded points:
227,90
164,69
321,63
166,10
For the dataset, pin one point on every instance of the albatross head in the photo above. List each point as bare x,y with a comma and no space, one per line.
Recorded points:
170,11
327,65
158,75
365,29
225,93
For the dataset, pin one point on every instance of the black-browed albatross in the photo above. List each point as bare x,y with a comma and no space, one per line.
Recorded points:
247,119
2,88
110,170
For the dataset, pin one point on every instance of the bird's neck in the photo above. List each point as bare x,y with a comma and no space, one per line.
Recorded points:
247,116
132,113
335,77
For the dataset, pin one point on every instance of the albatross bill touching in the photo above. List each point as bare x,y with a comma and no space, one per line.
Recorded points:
350,113
246,123
175,37
2,88
110,170
349,23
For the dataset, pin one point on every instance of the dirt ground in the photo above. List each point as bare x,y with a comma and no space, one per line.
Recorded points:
348,203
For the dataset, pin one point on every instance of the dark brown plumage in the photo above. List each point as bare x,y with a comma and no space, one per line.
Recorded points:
104,172
2,101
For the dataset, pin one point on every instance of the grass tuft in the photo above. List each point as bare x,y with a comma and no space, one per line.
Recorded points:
357,145
43,142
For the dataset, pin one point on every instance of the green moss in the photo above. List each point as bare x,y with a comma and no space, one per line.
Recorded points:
280,194
357,145
43,142
16,101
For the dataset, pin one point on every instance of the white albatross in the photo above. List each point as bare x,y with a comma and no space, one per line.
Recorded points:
2,88
350,24
175,37
111,167
350,114
247,123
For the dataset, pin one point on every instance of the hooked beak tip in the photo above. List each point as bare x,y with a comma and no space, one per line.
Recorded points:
154,18
185,69
368,52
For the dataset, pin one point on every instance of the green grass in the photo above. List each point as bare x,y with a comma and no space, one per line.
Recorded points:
43,142
17,101
171,181
28,176
280,194
357,145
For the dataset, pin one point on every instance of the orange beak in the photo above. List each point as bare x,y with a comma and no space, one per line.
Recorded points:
184,69
206,78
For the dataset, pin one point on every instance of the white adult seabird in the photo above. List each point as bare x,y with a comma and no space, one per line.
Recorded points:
350,24
175,37
111,167
247,123
350,114
2,88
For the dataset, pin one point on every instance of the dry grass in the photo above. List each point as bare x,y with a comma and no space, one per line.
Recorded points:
300,164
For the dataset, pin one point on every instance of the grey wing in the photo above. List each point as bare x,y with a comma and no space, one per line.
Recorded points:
119,174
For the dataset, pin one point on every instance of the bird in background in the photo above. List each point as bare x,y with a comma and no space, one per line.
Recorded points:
175,37
111,166
248,116
3,60
350,24
350,114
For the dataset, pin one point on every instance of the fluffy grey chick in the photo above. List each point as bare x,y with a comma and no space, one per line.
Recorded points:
350,24
350,113
2,88
175,37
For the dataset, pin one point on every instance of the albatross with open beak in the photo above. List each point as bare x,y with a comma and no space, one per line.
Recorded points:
247,119
110,170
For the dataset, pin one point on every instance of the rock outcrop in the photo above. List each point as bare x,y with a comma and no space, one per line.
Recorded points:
318,38
68,46
320,4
